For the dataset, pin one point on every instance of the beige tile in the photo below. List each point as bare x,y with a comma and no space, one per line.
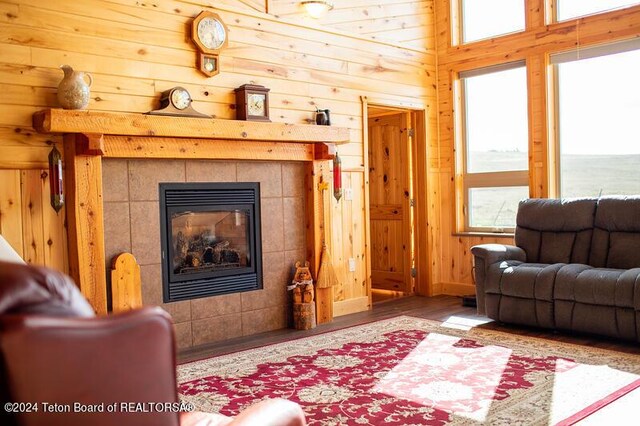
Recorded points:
145,231
179,311
293,179
268,174
217,328
259,299
274,272
115,180
294,219
151,282
151,277
184,335
145,175
117,238
262,320
272,225
211,171
215,306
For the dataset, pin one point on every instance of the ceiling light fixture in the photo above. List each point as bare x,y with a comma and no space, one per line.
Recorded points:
317,8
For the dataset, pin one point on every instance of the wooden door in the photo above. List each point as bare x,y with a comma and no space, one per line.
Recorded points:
389,202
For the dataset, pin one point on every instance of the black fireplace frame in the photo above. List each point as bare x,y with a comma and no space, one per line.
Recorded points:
210,196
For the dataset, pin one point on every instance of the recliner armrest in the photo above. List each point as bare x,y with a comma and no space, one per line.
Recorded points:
492,253
121,358
486,255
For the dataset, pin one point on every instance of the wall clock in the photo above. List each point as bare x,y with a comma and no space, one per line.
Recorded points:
210,35
177,102
252,103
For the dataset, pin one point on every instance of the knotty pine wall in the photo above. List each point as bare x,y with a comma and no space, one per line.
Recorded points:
135,50
409,23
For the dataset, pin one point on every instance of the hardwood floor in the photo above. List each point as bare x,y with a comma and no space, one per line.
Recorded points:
439,308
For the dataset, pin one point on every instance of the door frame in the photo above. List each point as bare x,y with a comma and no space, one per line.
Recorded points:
418,145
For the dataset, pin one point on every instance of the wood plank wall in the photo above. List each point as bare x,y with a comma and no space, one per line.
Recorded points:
451,256
135,50
409,23
28,222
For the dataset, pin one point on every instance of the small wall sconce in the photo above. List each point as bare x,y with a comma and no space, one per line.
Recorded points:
56,185
317,8
337,177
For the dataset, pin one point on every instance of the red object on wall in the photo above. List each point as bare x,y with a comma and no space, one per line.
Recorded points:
337,177
56,184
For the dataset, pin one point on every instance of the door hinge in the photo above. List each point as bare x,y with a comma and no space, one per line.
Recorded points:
412,202
414,272
411,132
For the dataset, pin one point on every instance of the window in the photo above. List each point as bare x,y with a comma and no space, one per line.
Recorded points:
599,120
494,161
488,18
567,9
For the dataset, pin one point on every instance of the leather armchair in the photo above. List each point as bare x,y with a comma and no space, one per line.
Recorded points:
54,350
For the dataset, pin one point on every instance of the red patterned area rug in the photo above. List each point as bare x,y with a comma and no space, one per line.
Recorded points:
412,371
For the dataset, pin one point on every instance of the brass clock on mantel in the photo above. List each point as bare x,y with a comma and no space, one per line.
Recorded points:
210,35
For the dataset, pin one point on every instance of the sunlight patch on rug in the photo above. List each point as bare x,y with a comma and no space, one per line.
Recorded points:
407,370
445,373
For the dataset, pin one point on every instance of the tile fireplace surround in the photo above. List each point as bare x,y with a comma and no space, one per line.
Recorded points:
131,220
137,151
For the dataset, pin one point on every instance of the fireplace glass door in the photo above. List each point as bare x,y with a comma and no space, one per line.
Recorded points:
210,236
209,241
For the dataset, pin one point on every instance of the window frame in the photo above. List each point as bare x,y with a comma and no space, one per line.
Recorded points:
466,181
456,12
555,59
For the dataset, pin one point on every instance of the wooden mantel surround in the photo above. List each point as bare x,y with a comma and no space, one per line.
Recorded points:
90,135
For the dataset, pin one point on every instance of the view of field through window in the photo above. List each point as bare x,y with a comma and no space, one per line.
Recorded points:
599,126
614,174
598,118
496,130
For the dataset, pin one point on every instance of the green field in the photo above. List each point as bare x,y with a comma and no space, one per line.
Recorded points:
582,176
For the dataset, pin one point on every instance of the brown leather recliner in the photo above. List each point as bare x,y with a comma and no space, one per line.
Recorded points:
54,350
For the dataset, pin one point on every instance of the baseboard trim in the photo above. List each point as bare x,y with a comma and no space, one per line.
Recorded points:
458,289
351,306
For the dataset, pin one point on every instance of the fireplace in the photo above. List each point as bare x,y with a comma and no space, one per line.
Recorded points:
210,236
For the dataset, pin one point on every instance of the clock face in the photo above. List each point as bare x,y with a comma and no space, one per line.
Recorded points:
211,33
256,104
180,98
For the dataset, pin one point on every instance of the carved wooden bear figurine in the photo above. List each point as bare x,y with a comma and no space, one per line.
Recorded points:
303,274
304,310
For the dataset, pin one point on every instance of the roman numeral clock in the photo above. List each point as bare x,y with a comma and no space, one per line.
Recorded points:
209,34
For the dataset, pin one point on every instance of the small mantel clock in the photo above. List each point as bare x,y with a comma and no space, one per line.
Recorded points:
177,102
209,34
252,103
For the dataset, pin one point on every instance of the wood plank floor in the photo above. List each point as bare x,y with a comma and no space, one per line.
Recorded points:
438,308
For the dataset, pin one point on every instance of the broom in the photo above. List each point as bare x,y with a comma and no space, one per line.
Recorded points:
326,274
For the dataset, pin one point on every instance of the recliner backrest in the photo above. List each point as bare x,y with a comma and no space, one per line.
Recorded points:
616,235
555,231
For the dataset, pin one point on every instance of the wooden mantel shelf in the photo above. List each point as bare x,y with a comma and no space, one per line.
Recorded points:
91,136
130,124
128,135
